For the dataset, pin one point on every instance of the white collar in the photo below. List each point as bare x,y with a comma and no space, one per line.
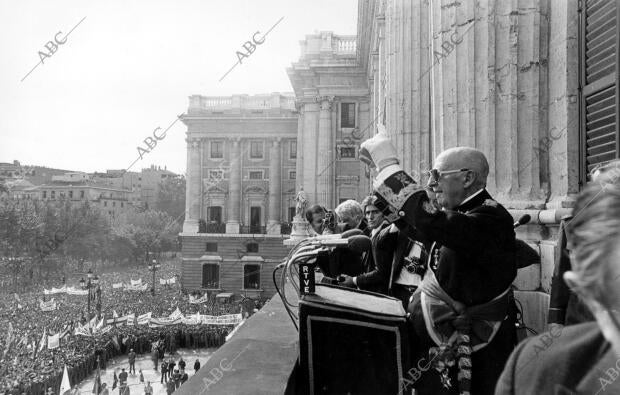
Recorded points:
470,197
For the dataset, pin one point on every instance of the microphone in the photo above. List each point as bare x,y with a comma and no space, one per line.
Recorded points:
357,243
522,221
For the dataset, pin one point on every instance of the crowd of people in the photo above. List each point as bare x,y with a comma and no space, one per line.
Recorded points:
448,251
27,366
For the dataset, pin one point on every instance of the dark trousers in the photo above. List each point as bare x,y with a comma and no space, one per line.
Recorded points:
403,293
132,367
164,377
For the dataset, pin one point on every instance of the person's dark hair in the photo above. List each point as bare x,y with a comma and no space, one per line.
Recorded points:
316,209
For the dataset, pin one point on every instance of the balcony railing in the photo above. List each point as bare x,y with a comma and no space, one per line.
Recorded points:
253,229
215,227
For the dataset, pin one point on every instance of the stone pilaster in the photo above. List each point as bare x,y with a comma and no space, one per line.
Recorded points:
275,180
310,151
234,188
325,162
192,195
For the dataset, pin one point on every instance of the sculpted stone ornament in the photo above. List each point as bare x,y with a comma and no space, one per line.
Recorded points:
300,229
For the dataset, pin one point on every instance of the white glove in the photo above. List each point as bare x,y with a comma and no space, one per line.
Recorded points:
378,151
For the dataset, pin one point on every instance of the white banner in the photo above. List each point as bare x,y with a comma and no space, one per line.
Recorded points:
50,305
164,321
195,300
163,281
117,285
55,291
82,331
136,282
176,314
53,341
131,318
144,319
136,287
73,291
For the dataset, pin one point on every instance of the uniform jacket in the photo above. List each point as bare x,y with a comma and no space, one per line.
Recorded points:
473,258
574,360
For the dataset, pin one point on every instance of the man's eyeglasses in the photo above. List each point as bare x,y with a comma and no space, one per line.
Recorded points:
435,174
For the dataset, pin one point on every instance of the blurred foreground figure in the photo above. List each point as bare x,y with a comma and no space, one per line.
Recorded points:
584,358
565,307
462,316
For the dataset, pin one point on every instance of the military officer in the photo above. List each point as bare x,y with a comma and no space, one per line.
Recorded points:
461,314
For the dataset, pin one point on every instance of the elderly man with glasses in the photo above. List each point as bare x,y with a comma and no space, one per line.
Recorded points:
462,315
583,358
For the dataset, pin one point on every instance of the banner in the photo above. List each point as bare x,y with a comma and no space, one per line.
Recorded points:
164,321
195,300
53,341
136,282
176,314
136,287
50,305
192,319
105,329
117,285
168,281
43,340
82,331
55,291
131,318
144,319
65,384
73,291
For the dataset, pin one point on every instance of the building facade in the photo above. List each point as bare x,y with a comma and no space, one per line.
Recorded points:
241,163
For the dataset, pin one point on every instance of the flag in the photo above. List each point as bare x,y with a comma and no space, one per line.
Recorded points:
176,314
114,314
17,297
65,385
9,339
136,282
118,347
53,341
43,340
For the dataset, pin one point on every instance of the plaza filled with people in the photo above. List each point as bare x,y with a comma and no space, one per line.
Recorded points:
31,361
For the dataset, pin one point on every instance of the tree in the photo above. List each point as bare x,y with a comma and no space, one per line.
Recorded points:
171,198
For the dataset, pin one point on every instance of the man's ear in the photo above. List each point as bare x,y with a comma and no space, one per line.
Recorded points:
470,179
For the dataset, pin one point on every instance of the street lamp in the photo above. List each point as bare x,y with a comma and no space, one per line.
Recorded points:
91,280
153,267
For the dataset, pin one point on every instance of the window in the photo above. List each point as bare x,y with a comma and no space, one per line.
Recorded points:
105,204
81,194
70,194
113,204
252,247
217,149
251,277
599,40
122,205
347,152
293,150
291,213
44,194
53,194
210,276
214,214
292,175
347,115
211,247
256,175
256,149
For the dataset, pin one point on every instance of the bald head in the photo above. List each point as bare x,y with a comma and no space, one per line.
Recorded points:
465,158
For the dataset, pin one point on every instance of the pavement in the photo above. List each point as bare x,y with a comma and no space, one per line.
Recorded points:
145,363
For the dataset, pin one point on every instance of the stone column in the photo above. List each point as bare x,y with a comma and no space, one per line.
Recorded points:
310,152
275,180
325,162
192,195
234,188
